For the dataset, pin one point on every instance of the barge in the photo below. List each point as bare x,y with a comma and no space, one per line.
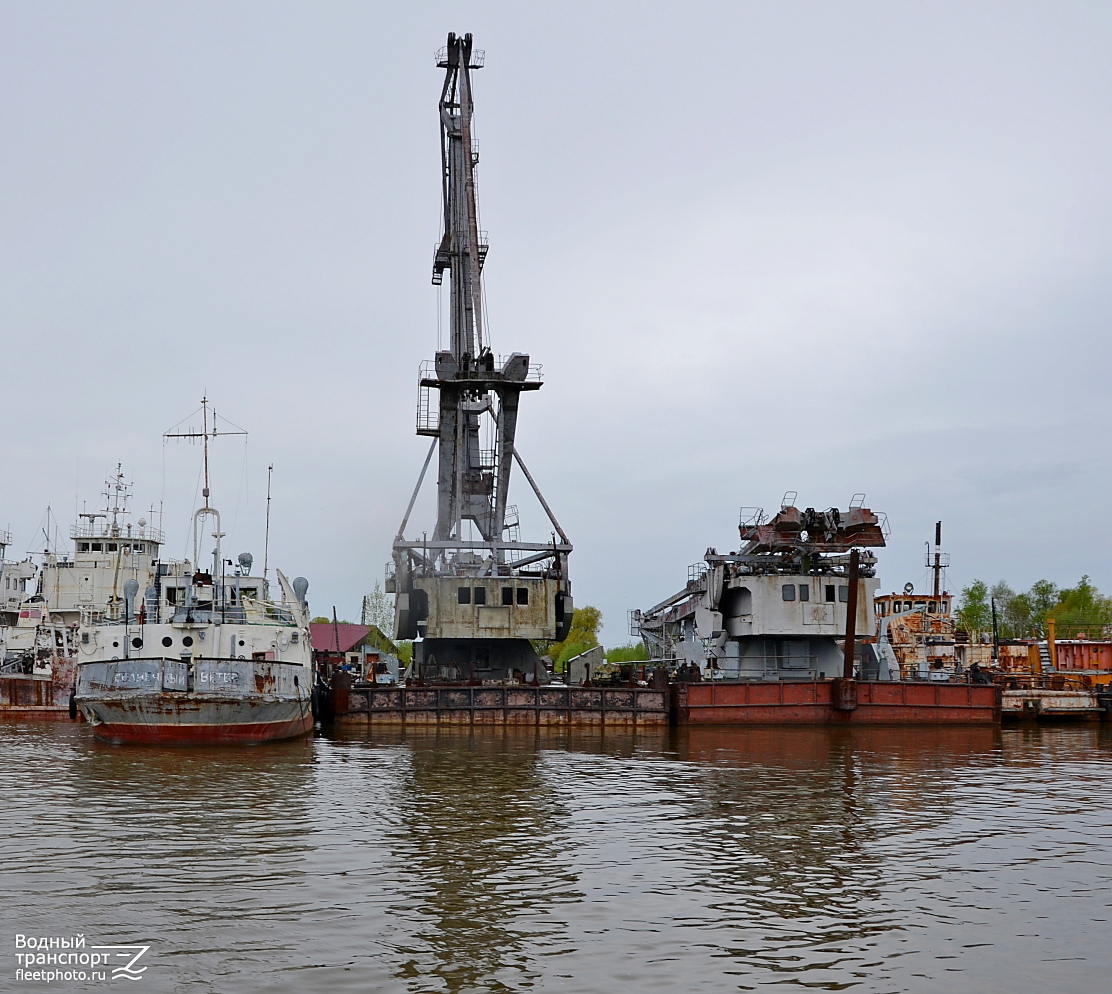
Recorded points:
782,632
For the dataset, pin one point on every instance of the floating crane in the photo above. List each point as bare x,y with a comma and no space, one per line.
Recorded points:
473,594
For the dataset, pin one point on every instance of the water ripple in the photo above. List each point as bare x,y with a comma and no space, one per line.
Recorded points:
459,860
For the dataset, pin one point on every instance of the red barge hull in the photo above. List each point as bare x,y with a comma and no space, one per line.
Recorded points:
830,702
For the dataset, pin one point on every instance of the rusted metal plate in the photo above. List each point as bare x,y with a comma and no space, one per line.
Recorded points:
617,699
1043,704
513,705
585,699
810,703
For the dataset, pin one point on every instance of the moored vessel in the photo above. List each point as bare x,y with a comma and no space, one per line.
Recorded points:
204,657
781,632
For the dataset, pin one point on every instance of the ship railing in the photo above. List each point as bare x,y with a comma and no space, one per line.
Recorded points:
536,369
478,57
102,530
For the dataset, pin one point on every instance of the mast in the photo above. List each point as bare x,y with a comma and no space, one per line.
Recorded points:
207,511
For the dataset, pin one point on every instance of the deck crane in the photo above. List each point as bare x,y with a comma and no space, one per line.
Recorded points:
473,593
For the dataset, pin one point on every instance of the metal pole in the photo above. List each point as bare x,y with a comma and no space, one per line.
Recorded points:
540,497
937,558
851,617
266,540
995,635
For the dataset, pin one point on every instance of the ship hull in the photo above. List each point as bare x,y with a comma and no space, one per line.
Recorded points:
826,702
191,719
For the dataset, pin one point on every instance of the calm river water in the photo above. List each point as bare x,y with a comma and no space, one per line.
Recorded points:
704,860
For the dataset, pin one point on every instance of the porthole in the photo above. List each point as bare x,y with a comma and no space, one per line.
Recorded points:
115,645
187,641
241,643
137,643
167,641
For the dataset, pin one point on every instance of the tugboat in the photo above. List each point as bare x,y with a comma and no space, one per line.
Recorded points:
205,657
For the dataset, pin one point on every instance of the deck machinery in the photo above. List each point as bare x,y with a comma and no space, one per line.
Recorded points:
775,609
473,594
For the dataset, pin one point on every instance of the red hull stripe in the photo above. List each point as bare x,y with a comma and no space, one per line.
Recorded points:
170,734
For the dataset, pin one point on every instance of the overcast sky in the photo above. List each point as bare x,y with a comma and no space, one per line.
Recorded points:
757,247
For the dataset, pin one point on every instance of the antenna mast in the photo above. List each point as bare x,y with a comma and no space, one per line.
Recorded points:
266,540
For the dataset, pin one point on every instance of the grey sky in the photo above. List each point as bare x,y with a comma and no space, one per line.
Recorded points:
757,247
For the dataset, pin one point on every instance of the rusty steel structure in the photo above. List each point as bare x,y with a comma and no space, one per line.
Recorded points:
776,609
473,594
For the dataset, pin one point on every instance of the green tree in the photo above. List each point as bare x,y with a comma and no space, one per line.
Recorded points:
631,652
378,610
583,636
1082,608
1018,618
1002,596
405,653
974,612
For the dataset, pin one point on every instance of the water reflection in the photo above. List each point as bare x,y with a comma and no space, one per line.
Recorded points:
477,857
587,860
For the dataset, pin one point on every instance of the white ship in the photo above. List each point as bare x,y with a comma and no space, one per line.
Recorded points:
204,656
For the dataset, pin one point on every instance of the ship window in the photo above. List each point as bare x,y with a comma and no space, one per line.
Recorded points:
137,643
188,640
464,594
920,604
788,591
111,547
167,641
241,643
138,548
97,547
932,607
804,592
523,596
84,638
945,606
507,596
480,595
843,594
830,593
293,637
83,547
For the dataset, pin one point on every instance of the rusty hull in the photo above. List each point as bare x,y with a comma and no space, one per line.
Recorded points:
815,703
206,701
505,705
28,695
175,718
1042,704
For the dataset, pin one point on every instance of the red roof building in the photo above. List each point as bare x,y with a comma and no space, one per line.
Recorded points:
324,636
